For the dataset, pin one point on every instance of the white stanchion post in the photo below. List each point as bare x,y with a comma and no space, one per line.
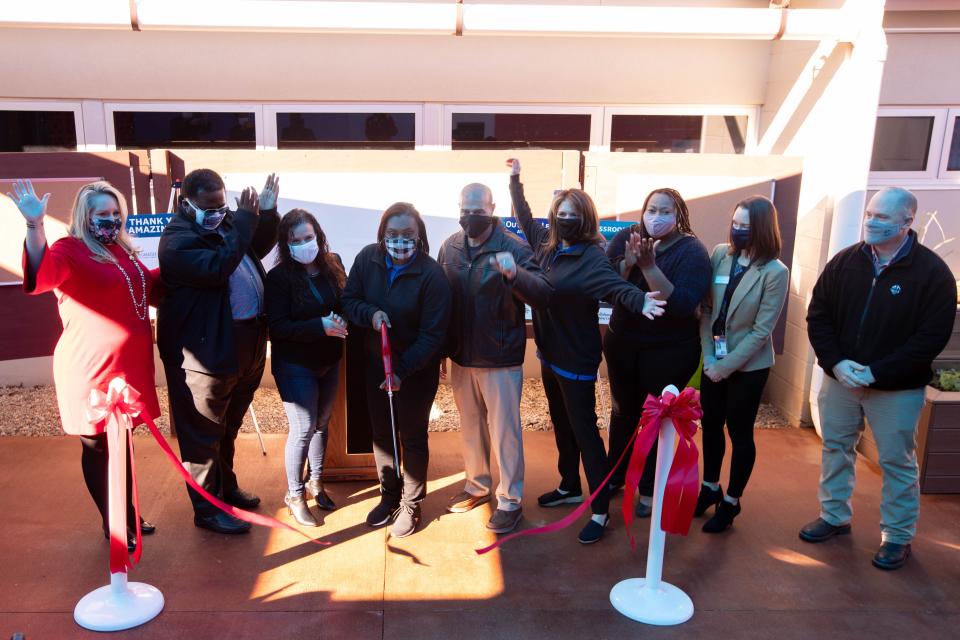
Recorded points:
650,600
121,604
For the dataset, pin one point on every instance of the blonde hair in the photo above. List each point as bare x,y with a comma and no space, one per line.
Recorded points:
80,220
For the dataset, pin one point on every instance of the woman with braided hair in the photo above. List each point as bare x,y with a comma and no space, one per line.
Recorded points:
660,254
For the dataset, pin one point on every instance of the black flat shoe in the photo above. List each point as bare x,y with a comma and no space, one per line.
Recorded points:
592,531
708,498
221,522
722,518
241,499
820,530
298,508
642,510
382,514
131,539
315,488
891,556
147,528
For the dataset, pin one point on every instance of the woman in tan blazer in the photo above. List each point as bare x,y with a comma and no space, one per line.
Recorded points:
749,286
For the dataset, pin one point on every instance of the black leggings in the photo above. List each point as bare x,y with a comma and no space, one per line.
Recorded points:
573,412
94,461
734,401
635,373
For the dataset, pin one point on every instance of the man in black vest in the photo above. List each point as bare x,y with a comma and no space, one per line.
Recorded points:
211,330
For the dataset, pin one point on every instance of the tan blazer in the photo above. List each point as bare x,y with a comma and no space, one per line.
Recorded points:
753,313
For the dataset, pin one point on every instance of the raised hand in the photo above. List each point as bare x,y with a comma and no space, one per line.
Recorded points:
514,165
31,207
249,200
646,257
653,306
270,193
334,326
505,263
632,250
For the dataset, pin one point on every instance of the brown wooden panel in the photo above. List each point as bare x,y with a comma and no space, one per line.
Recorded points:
941,484
943,441
942,464
31,324
946,416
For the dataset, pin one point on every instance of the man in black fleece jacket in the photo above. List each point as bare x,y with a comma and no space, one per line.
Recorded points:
492,274
881,311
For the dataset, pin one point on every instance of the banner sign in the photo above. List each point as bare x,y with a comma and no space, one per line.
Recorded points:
145,231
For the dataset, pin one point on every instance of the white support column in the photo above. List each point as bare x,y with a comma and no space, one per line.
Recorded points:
94,126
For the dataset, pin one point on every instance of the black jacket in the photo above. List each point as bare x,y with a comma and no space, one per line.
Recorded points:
488,327
567,330
417,303
194,321
895,323
296,317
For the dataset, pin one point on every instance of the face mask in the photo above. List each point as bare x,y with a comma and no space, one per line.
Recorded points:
568,228
105,230
740,238
659,226
304,253
400,248
209,219
877,232
474,225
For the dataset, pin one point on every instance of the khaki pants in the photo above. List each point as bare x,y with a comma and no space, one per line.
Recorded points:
489,405
893,417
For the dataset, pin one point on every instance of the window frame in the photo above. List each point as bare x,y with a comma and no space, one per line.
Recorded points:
751,112
944,173
934,153
74,106
109,108
594,111
270,111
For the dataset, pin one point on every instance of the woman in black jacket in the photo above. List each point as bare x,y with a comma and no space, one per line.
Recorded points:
396,282
568,336
302,299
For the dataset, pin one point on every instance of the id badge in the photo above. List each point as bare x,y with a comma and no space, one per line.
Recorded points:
720,347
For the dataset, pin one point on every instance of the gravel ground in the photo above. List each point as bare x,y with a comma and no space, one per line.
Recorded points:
32,411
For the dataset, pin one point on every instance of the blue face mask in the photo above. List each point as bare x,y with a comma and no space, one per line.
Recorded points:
740,238
878,232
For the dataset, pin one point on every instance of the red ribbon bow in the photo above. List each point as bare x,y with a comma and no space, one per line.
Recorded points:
680,495
118,406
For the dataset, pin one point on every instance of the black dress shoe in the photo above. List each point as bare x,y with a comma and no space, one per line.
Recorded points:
221,523
131,539
147,528
315,488
241,499
298,508
722,518
642,510
708,498
891,556
381,514
820,530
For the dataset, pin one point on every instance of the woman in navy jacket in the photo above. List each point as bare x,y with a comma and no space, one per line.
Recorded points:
568,336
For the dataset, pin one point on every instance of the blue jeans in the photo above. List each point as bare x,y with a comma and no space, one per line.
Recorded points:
308,396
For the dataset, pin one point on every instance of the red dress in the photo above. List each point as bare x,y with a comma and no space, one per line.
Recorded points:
102,335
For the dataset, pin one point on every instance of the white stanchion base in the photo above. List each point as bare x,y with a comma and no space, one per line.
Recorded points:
106,609
665,605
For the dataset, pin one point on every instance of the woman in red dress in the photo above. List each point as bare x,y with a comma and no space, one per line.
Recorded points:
103,292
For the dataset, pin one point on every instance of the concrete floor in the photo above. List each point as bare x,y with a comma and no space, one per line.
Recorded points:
756,581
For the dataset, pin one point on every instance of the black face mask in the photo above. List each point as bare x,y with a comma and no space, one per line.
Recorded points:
568,228
474,225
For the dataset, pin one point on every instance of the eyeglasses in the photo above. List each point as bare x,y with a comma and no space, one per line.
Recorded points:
212,211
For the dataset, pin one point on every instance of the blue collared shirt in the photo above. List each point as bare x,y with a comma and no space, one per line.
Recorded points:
396,269
899,255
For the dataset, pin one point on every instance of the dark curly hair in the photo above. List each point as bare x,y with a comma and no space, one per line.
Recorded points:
403,209
683,213
327,262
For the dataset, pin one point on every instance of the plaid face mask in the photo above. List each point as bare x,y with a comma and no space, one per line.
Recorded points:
400,248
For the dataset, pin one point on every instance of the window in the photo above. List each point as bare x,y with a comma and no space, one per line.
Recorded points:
296,130
953,159
902,143
678,133
38,130
184,129
520,131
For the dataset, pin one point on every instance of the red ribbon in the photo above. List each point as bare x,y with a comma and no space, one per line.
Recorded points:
680,495
387,354
119,406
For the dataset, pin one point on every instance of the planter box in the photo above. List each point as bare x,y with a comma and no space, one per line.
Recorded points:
938,442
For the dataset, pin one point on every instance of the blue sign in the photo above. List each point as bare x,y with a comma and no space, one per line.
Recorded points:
608,228
147,225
